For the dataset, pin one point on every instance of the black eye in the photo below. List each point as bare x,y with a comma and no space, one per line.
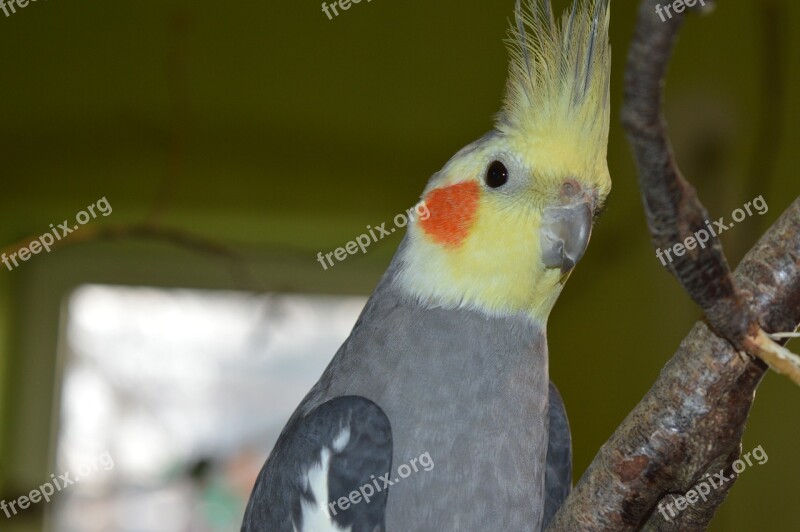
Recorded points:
496,175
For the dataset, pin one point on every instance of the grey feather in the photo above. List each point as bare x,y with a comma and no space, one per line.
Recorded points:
281,488
470,390
558,476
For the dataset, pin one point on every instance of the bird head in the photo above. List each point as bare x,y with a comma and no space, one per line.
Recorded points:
511,214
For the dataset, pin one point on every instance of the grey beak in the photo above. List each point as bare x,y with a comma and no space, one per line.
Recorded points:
565,235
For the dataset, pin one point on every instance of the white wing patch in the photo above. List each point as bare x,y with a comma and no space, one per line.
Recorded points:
316,515
341,440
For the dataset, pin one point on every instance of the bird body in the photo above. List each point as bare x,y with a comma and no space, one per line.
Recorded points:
496,362
448,361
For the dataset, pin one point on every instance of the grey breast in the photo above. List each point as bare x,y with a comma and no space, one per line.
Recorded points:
469,390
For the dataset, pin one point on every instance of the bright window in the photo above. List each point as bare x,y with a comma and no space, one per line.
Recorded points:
172,399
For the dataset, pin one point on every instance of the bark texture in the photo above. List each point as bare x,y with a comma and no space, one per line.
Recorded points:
690,423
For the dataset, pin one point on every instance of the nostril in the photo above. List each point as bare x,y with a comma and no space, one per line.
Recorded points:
570,188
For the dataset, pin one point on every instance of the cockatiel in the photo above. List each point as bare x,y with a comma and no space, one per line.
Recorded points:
437,412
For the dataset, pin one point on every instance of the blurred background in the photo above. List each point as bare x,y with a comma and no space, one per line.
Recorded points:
158,349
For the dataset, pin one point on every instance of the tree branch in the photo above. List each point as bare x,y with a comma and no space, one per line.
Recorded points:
691,421
694,415
674,212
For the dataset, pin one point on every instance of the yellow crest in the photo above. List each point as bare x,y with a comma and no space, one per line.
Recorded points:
557,93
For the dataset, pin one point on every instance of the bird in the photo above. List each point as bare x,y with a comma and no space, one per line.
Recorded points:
437,412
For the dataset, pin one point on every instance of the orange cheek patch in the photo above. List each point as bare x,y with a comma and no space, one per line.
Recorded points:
452,211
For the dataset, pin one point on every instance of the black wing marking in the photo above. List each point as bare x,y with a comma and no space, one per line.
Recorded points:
558,475
340,447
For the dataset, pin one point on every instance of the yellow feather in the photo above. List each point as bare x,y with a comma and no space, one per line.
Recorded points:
553,127
496,270
556,109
